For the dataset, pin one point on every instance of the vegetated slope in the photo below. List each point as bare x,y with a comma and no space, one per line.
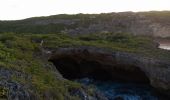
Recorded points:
141,23
28,74
24,68
24,73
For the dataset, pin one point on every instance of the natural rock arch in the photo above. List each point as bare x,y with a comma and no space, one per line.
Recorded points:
79,63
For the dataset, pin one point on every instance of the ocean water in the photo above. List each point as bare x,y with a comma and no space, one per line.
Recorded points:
123,91
164,44
166,47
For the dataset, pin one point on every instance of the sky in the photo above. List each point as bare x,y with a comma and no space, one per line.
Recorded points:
21,9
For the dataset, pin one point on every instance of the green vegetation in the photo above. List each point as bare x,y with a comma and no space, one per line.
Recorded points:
62,22
20,48
17,52
3,93
114,41
22,52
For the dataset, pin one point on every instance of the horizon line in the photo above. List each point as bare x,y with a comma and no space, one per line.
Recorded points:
38,16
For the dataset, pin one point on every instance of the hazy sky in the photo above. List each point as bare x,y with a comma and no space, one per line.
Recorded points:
19,9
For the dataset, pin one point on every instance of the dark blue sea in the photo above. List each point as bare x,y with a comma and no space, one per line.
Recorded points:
123,91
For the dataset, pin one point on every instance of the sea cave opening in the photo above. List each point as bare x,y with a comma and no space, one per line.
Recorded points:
114,80
72,68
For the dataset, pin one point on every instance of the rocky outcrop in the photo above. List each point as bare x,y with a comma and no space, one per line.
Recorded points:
106,64
15,90
127,22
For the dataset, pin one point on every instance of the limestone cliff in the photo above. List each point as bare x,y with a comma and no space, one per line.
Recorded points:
155,24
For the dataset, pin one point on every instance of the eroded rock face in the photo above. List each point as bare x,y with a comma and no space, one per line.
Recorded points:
15,90
104,64
128,22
